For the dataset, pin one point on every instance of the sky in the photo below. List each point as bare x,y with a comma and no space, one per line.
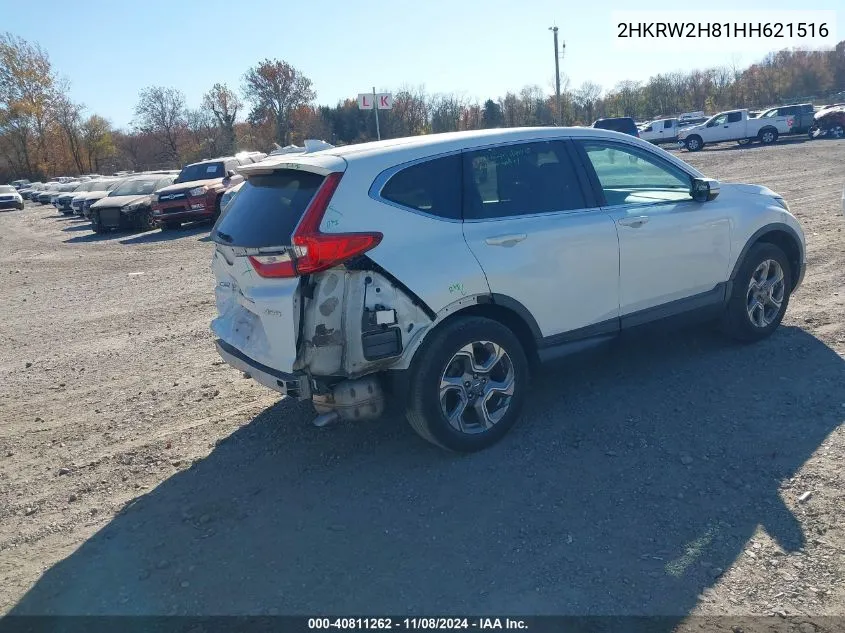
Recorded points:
479,48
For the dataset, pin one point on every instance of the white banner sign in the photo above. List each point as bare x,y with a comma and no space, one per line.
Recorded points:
365,101
384,101
381,100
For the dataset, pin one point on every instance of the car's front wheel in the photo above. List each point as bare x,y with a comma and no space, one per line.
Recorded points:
760,294
694,143
467,385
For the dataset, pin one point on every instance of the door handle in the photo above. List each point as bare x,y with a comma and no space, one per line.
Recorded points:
636,222
506,240
726,127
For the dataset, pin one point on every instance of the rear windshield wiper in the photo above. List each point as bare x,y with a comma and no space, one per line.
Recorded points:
225,237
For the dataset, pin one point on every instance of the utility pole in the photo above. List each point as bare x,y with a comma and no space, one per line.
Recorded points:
375,107
553,29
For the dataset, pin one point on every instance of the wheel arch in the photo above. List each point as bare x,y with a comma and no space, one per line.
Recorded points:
767,128
500,308
784,237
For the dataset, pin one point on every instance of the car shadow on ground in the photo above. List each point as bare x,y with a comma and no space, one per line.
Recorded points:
158,235
83,225
95,237
635,477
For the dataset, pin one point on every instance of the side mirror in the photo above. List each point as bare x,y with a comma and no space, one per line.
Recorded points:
704,189
230,173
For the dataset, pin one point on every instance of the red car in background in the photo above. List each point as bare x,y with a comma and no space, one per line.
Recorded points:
196,192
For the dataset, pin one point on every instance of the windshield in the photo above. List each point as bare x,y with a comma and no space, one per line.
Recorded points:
201,171
7,189
142,187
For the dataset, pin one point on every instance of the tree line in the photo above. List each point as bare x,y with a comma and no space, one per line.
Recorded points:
44,133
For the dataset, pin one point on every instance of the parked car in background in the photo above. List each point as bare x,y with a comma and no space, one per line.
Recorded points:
245,158
10,198
78,199
689,117
802,116
660,131
692,121
227,198
27,191
47,192
197,191
101,192
127,206
66,196
62,190
734,125
19,184
626,125
829,122
321,294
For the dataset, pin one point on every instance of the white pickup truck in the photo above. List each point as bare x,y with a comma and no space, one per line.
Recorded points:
660,131
734,125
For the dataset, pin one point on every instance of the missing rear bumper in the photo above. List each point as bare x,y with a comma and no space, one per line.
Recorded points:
293,385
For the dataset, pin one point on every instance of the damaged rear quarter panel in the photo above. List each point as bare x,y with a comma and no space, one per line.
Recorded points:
331,338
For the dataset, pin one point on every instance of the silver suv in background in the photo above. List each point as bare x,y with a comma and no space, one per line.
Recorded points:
443,268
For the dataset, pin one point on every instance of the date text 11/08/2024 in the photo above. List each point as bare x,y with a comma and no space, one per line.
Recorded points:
430,624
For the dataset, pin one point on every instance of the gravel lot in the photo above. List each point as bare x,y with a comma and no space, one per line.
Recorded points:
666,476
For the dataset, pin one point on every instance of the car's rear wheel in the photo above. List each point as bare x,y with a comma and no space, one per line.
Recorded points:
769,136
467,384
744,141
760,294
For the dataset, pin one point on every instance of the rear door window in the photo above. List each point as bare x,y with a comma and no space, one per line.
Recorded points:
267,209
734,117
433,186
520,179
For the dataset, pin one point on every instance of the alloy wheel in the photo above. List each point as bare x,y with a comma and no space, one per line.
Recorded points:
766,292
476,387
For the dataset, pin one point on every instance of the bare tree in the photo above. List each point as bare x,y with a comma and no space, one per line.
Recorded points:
69,118
275,89
160,112
585,98
224,105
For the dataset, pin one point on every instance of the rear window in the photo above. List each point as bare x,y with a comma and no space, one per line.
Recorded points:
267,209
431,187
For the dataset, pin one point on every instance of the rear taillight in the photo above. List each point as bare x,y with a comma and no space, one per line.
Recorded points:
312,250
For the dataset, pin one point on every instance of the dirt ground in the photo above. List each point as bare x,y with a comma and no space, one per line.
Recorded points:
675,475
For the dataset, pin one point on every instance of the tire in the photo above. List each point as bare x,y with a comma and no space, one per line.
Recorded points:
837,131
737,320
694,144
144,221
440,356
744,141
170,225
768,136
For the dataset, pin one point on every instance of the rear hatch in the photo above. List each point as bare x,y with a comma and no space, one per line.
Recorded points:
265,245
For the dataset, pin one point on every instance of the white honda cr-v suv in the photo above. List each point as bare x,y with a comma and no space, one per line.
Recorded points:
439,268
